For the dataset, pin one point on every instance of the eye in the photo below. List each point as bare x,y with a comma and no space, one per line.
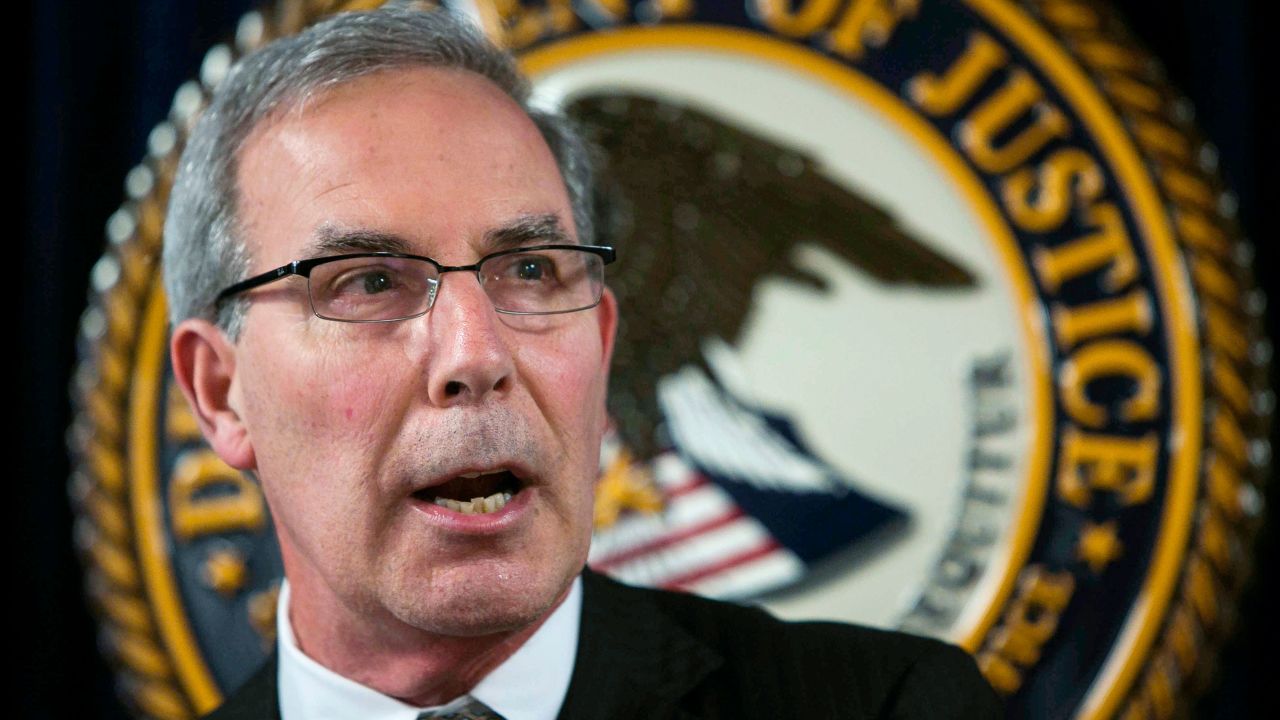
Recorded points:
534,268
376,282
367,280
526,269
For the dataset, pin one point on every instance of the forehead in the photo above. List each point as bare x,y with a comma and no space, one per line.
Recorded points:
437,157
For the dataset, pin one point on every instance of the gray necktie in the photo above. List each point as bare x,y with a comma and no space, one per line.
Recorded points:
474,710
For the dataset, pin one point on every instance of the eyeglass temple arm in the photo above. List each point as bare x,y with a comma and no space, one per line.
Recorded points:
293,268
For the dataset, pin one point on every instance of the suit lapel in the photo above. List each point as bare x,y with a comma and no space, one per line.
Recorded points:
633,661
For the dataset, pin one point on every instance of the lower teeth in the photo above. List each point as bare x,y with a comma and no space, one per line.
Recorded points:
476,506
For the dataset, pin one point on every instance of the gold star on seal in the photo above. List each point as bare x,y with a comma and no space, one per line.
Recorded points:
625,487
1098,545
225,571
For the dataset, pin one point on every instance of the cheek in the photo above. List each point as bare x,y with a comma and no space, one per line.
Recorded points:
329,402
315,420
357,403
565,379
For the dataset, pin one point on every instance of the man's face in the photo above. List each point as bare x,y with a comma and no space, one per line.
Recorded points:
355,428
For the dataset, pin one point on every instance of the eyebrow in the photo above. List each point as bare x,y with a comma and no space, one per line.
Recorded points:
543,229
524,230
331,240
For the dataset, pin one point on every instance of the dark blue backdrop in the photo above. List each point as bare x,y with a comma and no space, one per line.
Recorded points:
99,76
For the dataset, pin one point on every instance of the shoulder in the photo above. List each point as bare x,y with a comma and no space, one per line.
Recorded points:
842,669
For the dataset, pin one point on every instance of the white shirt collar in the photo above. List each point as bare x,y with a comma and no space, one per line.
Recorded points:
529,685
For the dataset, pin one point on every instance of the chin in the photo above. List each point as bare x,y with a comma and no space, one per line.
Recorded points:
484,601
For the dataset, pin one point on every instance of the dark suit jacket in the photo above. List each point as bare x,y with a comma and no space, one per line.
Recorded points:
650,654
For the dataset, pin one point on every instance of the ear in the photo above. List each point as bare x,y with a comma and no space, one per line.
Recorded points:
204,364
608,317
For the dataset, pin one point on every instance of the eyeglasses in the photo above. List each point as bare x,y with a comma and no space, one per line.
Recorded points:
386,286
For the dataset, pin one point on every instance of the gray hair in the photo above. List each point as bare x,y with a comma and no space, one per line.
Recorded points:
203,252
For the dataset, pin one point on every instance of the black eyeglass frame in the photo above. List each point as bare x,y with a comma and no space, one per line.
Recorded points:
303,268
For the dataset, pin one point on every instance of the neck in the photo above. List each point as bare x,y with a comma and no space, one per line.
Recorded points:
417,667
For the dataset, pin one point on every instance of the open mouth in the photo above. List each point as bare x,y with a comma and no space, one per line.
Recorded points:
474,493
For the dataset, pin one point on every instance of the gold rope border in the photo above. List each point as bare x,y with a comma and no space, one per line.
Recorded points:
1236,355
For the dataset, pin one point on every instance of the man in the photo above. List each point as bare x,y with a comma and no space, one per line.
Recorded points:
386,306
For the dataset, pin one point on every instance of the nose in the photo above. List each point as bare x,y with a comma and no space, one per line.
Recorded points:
469,356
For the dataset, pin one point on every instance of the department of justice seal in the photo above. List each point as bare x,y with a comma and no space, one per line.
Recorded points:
935,316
